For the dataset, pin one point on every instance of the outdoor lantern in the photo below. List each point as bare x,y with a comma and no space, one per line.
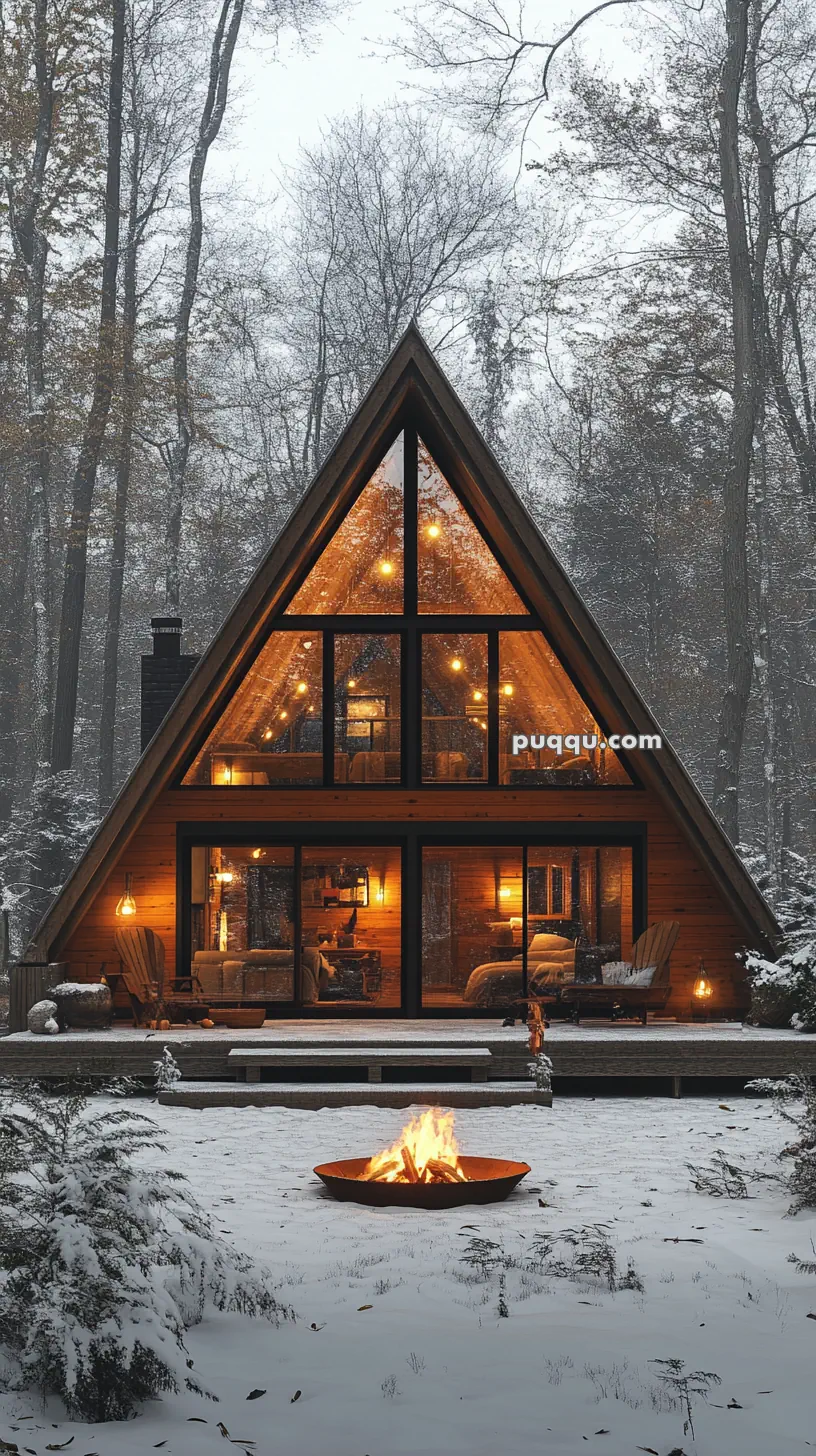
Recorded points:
126,906
701,994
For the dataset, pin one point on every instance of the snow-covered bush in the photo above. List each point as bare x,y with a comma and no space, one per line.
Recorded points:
795,1100
783,992
167,1071
105,1259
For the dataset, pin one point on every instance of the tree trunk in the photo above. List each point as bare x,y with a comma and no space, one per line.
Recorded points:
110,665
177,453
76,557
739,666
11,673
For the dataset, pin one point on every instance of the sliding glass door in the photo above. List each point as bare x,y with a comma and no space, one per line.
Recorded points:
292,927
500,923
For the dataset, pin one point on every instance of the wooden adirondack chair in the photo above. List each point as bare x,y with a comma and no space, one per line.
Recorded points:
150,991
652,948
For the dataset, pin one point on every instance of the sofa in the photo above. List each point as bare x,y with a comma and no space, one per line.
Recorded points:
550,964
261,975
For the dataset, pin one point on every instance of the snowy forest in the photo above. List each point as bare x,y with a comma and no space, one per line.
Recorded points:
614,261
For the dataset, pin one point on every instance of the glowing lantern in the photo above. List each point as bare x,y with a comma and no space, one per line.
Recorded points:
126,905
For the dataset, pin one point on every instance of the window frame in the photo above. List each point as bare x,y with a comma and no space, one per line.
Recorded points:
410,626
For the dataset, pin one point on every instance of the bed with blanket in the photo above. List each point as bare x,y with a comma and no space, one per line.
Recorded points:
550,963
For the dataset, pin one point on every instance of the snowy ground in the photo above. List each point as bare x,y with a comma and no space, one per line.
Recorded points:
399,1349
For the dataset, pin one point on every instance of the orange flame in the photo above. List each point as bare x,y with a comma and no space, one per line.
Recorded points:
427,1137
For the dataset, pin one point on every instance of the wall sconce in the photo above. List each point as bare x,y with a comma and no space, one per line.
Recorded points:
224,877
505,892
126,905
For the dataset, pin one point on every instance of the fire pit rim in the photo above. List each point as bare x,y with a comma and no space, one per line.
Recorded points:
341,1178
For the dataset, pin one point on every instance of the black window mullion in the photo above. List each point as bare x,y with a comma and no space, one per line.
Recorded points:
328,709
298,921
411,729
492,707
524,908
410,519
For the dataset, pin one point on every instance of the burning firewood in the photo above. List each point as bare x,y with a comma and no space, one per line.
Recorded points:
444,1171
372,1175
410,1165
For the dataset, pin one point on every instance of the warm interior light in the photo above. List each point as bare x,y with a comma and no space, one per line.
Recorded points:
380,893
224,877
434,531
227,779
505,892
478,696
352,682
126,906
508,690
386,567
283,715
268,733
258,853
307,644
301,687
703,989
310,709
456,664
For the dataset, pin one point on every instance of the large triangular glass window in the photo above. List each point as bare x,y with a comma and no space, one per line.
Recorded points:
456,570
547,733
271,731
361,569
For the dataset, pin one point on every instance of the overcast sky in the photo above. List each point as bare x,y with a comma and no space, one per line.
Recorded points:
282,103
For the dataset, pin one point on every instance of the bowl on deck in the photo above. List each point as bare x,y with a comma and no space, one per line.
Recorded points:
235,1016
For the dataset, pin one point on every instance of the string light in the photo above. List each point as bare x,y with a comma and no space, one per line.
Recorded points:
301,687
434,531
283,715
456,664
268,733
386,567
508,690
352,682
478,696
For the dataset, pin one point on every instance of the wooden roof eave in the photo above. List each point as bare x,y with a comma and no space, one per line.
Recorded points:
410,374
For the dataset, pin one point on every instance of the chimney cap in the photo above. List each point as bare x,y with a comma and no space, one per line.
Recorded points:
165,624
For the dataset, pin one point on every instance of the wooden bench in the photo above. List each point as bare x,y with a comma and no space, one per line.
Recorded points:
249,1063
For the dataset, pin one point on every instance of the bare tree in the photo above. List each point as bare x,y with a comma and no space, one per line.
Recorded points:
76,555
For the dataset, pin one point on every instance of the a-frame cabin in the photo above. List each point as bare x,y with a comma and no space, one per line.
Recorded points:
358,803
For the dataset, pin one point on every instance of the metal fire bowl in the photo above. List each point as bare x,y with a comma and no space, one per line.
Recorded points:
489,1181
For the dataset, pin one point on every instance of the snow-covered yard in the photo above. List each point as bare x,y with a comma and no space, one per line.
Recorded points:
399,1348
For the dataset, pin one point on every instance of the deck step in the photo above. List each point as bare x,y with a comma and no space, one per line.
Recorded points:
349,1094
374,1059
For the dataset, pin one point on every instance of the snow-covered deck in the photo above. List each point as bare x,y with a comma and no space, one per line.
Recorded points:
661,1049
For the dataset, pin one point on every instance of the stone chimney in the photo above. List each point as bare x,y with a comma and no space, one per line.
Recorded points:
164,674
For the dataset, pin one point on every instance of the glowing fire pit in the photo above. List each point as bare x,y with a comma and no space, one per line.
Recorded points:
423,1169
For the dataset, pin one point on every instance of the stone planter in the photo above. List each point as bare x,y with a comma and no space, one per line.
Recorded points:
84,1007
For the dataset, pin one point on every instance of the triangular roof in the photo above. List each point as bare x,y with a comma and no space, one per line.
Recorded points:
410,382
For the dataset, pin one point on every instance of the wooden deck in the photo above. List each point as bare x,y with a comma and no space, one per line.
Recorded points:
660,1050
